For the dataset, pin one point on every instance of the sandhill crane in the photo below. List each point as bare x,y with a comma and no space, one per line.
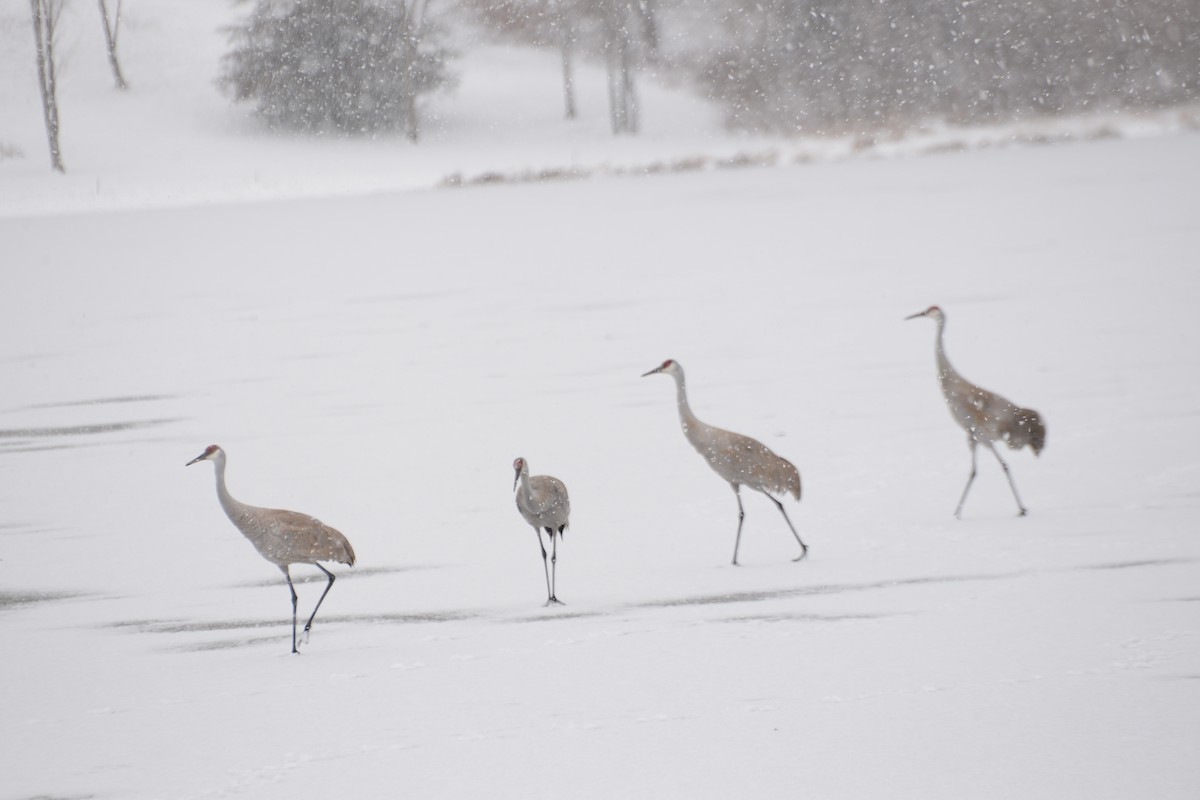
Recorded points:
543,502
985,416
738,459
282,537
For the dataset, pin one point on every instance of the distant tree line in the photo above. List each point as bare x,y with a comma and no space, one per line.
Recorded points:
828,66
808,66
836,65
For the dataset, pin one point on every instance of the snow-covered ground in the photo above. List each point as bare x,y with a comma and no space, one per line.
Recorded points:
378,358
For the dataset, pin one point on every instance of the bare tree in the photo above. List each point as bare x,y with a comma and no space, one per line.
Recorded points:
111,29
619,45
565,30
414,29
46,16
646,13
622,33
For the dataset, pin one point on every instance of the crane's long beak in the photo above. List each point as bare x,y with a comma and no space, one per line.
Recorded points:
651,372
914,316
194,460
516,478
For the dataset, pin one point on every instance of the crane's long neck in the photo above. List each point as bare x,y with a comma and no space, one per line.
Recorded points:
687,420
523,487
945,370
233,509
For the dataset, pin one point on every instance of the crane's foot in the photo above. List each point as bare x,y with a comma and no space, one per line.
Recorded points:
554,601
803,555
1023,513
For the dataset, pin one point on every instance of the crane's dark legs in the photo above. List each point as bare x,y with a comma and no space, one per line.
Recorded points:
292,589
554,566
737,490
1008,475
549,591
803,546
970,479
328,586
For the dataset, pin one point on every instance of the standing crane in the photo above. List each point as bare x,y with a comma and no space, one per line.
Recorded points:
282,537
738,459
985,416
543,502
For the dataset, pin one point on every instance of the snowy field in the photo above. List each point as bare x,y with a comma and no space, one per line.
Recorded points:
377,354
380,361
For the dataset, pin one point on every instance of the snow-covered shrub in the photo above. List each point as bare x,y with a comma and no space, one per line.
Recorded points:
355,66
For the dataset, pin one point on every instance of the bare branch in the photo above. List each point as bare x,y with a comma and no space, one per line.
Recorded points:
46,14
110,38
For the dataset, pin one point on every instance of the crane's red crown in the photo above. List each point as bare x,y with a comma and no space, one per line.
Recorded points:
519,464
212,448
666,364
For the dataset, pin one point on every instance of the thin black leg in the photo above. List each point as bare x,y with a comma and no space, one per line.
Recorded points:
328,586
295,599
549,591
554,567
970,479
803,546
737,490
1011,485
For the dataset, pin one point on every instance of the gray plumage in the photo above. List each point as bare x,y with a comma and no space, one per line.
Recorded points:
543,502
985,416
739,460
282,537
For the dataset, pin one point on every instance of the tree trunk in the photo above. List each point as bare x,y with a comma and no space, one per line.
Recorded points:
411,43
618,47
645,9
45,23
629,90
566,41
616,104
110,38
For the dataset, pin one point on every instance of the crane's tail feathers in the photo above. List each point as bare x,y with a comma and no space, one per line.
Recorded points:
793,483
1028,430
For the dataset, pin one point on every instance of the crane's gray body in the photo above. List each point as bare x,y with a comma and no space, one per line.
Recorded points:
986,417
543,502
282,537
739,460
287,537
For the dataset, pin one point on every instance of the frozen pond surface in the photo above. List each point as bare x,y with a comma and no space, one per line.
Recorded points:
379,362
